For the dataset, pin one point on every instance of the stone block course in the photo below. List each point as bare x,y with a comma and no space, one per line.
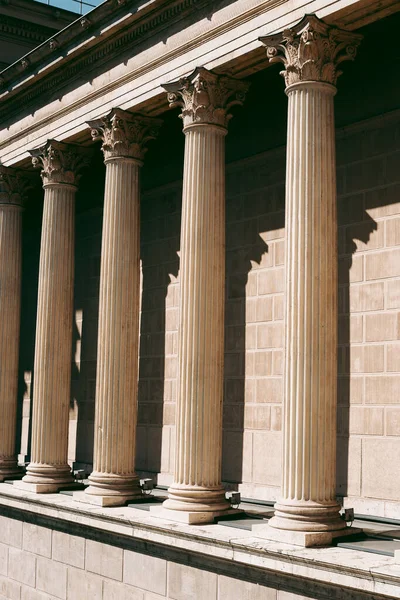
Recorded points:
149,571
393,232
22,566
380,476
366,421
229,588
392,421
270,335
393,357
11,532
185,583
11,590
382,327
31,594
382,390
36,539
84,585
379,265
68,549
267,470
366,297
51,577
104,560
120,591
392,295
3,559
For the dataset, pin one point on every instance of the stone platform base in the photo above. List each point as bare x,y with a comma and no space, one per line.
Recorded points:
105,500
191,517
306,539
47,488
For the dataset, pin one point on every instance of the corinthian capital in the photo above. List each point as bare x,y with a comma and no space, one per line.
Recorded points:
206,97
60,162
124,134
13,186
311,50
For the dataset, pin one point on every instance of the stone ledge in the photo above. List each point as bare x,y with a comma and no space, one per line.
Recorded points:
333,573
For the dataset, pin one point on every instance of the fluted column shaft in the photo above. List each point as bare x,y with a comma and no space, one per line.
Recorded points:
311,51
114,480
117,358
48,470
197,484
309,453
52,367
197,494
10,307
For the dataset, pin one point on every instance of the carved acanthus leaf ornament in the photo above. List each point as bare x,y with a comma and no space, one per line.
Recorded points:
124,134
205,97
60,162
13,186
311,50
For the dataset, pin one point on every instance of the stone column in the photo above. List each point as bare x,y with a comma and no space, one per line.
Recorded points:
12,190
114,480
48,470
308,514
197,494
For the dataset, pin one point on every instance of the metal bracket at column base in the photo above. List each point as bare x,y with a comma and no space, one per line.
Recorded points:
191,517
47,488
104,500
306,539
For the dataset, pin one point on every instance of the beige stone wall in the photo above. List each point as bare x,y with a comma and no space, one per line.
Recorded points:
40,563
369,325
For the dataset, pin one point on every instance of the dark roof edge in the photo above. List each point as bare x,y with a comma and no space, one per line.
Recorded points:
78,30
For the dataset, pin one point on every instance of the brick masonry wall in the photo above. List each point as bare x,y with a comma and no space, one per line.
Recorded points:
368,156
40,563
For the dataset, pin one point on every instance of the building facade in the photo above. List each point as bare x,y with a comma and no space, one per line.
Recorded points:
200,284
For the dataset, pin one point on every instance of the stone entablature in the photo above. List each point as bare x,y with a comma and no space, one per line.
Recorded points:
134,79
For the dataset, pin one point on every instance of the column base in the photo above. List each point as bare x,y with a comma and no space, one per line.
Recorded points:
306,539
190,517
46,478
46,488
11,471
105,500
110,489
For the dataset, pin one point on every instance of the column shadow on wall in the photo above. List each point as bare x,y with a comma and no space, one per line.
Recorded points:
85,327
355,225
160,238
88,229
31,236
245,246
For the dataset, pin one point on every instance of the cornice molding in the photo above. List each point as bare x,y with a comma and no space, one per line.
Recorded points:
23,29
147,26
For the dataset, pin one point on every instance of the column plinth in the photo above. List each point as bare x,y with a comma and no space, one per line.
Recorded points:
114,480
12,190
197,495
308,514
48,470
